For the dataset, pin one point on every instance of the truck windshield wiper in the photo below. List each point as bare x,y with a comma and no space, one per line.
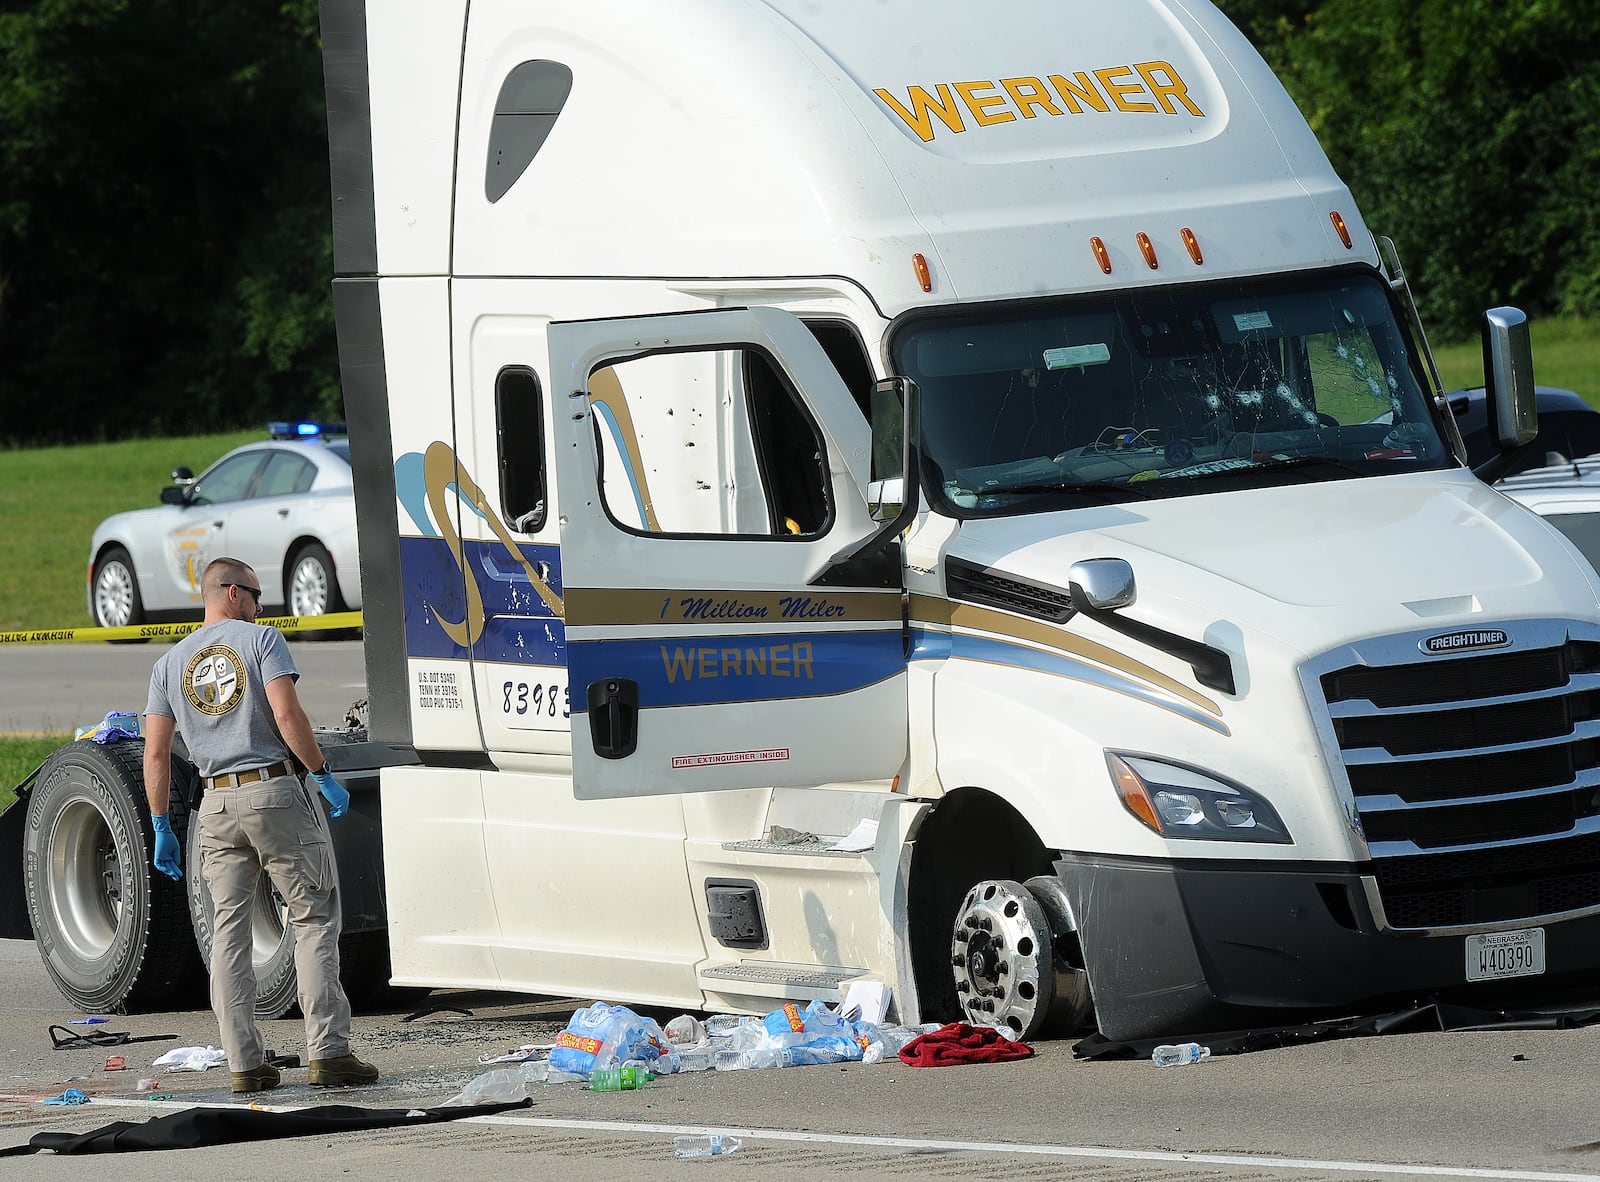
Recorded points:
1257,466
1102,489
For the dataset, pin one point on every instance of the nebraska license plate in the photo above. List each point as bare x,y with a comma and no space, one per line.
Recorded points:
1493,955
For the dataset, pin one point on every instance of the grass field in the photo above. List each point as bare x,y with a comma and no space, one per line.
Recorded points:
18,757
51,498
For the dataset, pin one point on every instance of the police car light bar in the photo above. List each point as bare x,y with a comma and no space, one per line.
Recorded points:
304,430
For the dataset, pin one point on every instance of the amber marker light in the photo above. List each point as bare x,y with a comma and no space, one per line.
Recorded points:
1132,790
924,277
1146,248
1101,255
1344,231
1192,245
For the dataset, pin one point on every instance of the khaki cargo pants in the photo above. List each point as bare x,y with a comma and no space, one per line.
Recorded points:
276,826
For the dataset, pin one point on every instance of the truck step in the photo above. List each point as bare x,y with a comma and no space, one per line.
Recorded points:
803,849
793,982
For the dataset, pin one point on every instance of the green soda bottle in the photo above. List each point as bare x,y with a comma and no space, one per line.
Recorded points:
618,1079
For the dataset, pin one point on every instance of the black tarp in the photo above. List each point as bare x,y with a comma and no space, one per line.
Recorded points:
195,1127
1420,1018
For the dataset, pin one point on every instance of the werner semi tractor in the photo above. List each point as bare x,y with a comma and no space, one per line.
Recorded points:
992,433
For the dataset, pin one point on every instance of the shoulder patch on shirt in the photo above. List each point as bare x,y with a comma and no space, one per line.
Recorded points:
214,680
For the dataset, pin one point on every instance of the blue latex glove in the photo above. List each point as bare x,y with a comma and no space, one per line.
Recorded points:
333,792
166,846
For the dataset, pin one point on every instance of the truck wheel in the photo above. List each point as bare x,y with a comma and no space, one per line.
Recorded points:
1008,971
271,941
110,929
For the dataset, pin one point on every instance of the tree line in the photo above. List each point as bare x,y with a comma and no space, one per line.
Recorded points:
165,250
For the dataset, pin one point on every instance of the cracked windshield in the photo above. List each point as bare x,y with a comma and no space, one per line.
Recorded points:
1052,405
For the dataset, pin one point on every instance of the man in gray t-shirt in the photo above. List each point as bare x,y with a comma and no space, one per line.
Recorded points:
229,689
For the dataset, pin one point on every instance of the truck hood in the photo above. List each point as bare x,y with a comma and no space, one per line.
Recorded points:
1311,564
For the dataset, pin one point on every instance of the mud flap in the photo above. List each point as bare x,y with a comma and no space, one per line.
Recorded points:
14,921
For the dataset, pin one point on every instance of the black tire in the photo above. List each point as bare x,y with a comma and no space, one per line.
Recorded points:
111,930
114,591
310,586
272,942
364,973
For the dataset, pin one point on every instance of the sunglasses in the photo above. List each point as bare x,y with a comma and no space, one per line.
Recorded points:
255,592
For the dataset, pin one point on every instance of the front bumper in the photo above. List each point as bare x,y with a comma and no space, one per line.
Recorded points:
1188,948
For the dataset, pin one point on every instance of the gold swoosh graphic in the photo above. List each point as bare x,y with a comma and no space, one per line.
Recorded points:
606,388
929,609
439,469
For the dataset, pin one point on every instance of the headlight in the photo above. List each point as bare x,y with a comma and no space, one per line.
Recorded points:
1179,801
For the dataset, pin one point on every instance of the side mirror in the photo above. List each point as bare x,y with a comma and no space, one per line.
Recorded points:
895,458
1508,377
1509,396
1102,584
866,561
182,477
174,496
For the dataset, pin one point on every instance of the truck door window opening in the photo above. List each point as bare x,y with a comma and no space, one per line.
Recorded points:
519,426
725,430
1166,393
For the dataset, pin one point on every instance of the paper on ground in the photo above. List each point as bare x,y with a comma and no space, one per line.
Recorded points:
870,997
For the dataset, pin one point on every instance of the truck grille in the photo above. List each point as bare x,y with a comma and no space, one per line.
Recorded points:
1477,782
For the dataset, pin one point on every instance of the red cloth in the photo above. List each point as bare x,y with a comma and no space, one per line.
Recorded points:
960,1043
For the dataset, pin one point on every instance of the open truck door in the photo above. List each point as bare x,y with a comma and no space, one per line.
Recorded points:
712,468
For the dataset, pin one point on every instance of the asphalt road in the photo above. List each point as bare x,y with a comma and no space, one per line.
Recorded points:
56,688
1515,1105
1506,1104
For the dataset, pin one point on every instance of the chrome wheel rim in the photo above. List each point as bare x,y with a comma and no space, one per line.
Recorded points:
308,588
113,595
86,884
1002,958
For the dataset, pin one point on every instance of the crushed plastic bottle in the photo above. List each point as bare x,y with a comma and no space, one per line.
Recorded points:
1168,1055
704,1145
502,1084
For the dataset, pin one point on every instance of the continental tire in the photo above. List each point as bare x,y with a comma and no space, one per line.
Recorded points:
113,932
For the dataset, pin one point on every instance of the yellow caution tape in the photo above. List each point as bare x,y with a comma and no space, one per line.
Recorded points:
159,631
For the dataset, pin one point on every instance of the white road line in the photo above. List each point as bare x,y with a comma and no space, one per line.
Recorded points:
923,1143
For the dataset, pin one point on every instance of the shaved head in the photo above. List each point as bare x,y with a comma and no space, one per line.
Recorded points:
219,573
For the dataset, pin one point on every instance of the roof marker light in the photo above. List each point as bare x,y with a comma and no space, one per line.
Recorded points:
1101,255
1146,248
1344,231
920,265
1192,245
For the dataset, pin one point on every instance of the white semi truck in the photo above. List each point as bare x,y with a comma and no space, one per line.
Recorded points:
943,493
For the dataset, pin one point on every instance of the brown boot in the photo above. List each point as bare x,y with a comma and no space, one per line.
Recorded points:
344,1072
260,1080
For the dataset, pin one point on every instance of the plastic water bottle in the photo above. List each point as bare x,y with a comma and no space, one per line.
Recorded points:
617,1079
694,1059
704,1145
1167,1055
